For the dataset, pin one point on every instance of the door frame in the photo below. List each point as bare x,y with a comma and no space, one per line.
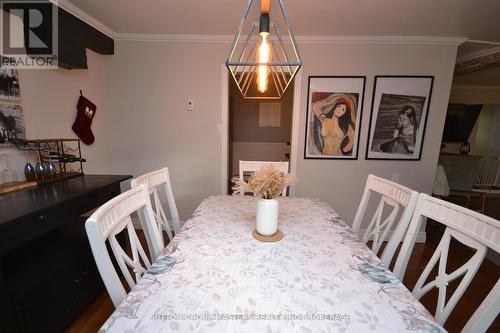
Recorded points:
223,127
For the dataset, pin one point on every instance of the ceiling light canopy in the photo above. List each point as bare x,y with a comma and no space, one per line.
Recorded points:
262,61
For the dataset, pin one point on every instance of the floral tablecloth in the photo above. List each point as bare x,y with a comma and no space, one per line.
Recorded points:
215,277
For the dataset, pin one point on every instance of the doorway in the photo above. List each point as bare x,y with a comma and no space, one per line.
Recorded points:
468,171
258,130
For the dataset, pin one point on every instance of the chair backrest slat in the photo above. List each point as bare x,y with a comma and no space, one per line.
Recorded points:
105,224
158,182
377,226
470,228
252,166
395,197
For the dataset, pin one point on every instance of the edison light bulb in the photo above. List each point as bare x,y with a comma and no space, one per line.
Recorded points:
263,56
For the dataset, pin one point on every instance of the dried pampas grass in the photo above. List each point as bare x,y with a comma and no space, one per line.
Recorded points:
267,183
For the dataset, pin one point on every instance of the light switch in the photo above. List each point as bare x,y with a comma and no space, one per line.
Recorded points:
190,105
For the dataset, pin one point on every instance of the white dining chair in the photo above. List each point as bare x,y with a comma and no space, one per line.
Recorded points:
476,231
158,182
252,166
395,198
105,224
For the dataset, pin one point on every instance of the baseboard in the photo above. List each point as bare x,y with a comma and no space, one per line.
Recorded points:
421,236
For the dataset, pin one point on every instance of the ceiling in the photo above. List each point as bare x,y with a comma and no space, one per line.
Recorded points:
474,19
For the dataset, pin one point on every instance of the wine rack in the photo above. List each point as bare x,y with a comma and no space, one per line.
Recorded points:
57,158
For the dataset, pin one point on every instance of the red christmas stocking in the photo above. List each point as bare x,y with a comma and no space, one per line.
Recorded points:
85,113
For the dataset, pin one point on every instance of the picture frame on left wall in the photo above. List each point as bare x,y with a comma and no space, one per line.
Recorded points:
334,113
9,85
11,111
400,108
11,123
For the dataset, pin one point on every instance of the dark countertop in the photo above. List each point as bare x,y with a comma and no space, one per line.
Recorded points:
17,204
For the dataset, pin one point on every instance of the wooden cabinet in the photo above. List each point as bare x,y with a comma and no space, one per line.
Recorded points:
269,114
47,271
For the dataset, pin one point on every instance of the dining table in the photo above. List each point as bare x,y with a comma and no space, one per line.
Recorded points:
214,276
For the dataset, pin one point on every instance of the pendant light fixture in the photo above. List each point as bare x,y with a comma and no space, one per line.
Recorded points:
261,61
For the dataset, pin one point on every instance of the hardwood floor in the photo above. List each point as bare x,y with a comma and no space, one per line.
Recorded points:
94,315
459,254
97,312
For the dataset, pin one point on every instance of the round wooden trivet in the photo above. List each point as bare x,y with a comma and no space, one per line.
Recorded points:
268,239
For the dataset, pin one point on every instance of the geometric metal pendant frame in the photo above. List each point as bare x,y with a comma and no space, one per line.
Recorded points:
285,57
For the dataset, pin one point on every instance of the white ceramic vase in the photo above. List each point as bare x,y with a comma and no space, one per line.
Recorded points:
267,216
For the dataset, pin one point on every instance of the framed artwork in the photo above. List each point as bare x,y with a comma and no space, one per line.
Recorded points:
11,123
400,107
334,110
9,85
11,112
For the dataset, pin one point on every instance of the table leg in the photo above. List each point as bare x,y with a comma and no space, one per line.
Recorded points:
483,202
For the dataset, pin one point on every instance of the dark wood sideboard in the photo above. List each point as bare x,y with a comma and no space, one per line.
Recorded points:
47,272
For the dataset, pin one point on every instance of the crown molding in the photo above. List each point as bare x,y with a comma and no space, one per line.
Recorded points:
477,61
84,16
478,54
488,42
174,38
300,39
381,40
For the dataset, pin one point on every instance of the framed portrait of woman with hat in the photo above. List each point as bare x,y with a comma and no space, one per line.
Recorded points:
400,108
334,110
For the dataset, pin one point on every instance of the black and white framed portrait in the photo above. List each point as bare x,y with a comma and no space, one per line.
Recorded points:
11,123
11,111
400,107
334,109
9,85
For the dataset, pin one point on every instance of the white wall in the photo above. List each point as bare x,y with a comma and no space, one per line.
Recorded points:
485,140
49,100
149,85
489,77
482,87
341,182
470,94
142,122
